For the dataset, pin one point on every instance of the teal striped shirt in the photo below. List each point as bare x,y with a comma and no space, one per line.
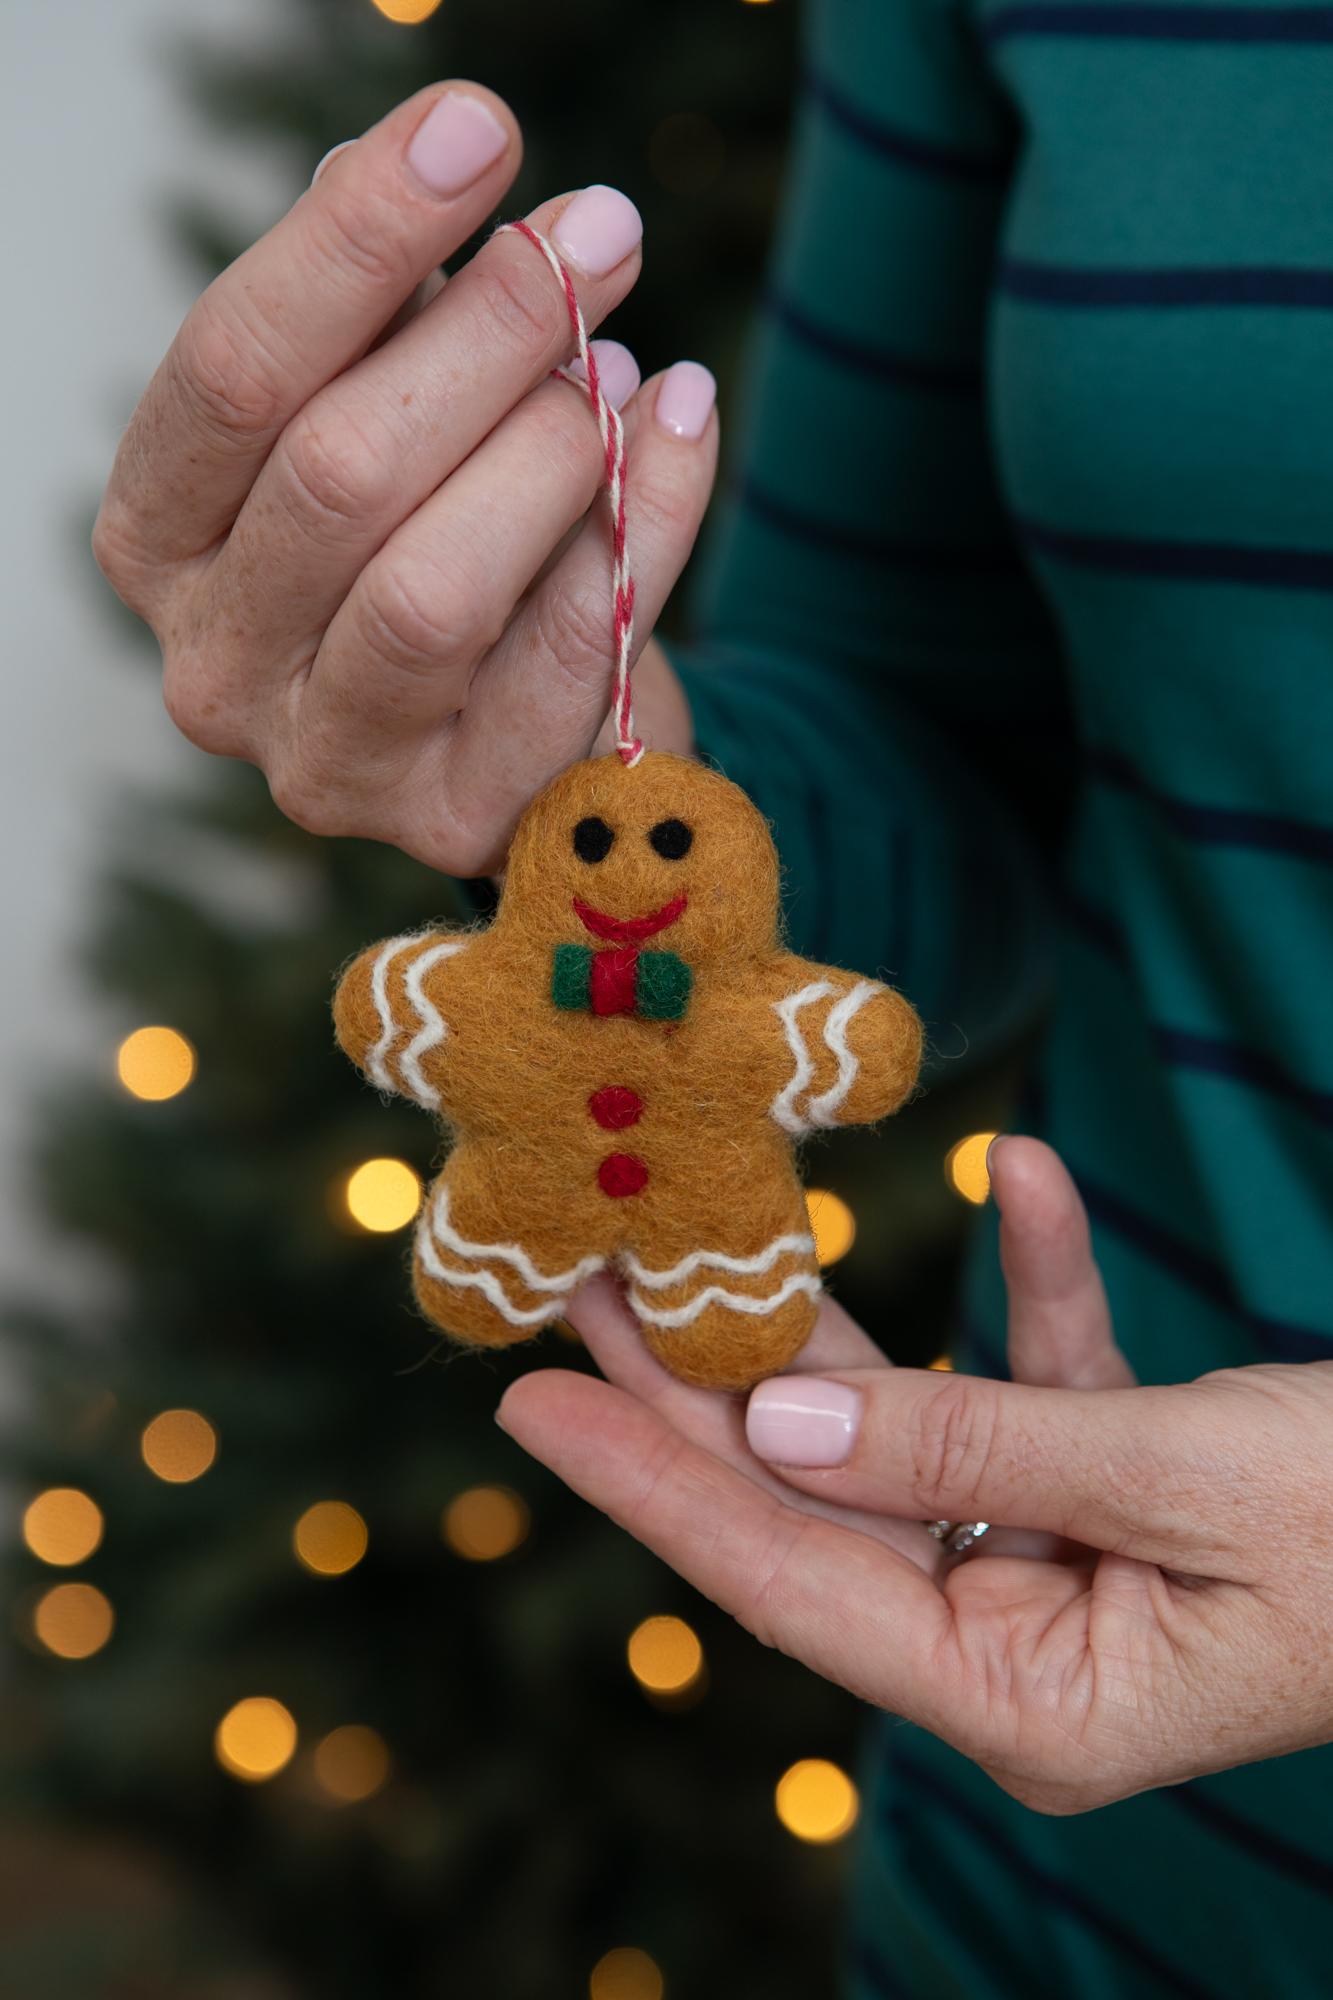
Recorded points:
1019,624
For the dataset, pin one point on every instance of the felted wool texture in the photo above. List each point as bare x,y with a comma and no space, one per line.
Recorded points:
733,1050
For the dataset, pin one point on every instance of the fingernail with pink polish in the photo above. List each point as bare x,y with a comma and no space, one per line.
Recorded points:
802,1420
617,371
455,143
332,154
685,399
598,230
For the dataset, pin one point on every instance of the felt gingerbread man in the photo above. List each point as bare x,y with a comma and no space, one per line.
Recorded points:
625,1058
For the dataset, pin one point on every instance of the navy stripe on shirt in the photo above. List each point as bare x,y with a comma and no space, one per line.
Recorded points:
1221,826
1291,1862
908,149
937,377
1172,285
1194,562
1186,1048
1162,23
999,1845
1282,1339
931,558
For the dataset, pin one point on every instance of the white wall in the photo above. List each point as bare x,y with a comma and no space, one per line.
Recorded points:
94,132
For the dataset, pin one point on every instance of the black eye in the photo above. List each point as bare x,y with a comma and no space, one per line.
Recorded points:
592,839
672,839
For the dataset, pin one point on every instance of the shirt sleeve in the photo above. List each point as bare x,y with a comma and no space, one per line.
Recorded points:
872,663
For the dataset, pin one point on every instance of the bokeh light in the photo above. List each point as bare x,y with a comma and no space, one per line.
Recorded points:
155,1063
965,1167
255,1739
330,1538
382,1195
485,1523
179,1445
62,1525
626,1974
816,1801
407,13
665,1656
686,153
942,1363
73,1620
832,1224
352,1763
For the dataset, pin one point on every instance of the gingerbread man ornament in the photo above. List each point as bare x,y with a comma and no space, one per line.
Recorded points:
626,1058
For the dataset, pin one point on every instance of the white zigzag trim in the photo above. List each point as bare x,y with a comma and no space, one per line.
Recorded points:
783,1107
487,1282
507,1253
432,1029
741,1302
379,993
823,1110
716,1260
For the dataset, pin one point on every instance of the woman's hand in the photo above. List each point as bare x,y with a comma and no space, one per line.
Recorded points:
1158,1605
358,530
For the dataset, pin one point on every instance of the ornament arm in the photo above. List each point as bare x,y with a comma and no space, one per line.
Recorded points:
389,1010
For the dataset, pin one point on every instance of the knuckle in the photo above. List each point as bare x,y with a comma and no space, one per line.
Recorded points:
517,299
198,708
354,230
573,625
951,1442
120,556
303,796
667,505
226,376
336,475
408,629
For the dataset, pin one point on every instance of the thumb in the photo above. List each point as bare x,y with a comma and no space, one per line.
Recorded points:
1111,1468
1060,1331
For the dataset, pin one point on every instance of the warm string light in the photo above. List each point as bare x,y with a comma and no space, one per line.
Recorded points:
155,1063
406,13
330,1538
382,1195
626,1974
62,1526
965,1167
816,1801
832,1224
665,1656
178,1446
485,1523
73,1620
351,1764
255,1739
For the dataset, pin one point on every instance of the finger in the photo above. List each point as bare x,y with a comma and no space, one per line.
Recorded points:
299,306
612,1336
559,646
402,650
1060,1332
847,1606
1142,1472
372,446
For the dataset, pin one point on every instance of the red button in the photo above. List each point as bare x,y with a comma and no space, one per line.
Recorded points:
621,1173
615,1106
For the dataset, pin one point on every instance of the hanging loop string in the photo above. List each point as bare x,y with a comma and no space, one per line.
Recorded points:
612,432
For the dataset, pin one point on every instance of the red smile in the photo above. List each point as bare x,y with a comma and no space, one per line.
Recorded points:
628,930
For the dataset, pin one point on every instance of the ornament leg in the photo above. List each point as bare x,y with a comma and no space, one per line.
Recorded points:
725,1315
475,1277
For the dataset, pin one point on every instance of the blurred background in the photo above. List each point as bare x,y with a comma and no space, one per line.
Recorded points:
312,1686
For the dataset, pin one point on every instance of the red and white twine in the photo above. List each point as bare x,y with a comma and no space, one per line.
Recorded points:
612,432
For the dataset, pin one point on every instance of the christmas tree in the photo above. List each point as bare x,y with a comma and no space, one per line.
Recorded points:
317,1687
